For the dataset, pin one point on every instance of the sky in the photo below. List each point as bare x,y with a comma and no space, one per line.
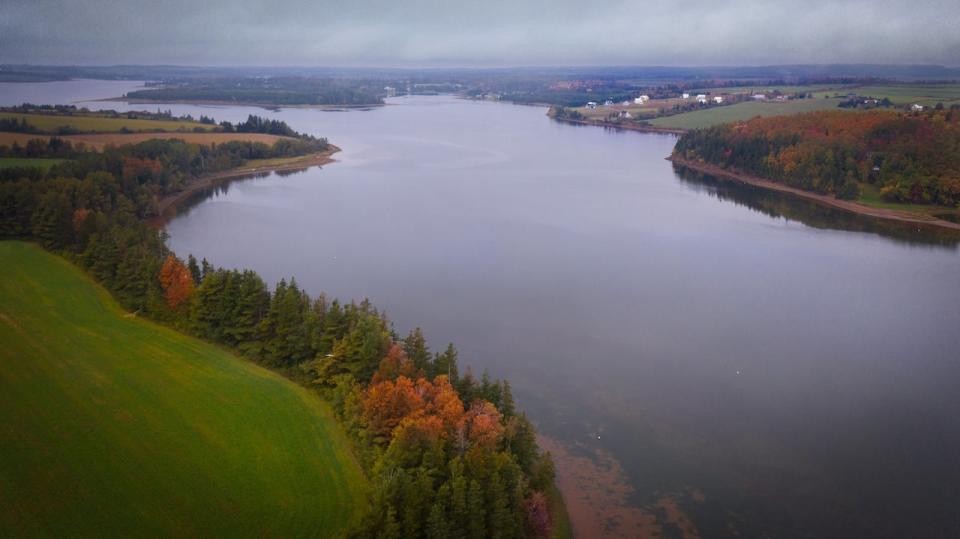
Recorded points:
481,33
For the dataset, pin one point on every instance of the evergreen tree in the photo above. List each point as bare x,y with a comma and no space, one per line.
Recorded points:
416,348
194,269
476,514
438,526
52,221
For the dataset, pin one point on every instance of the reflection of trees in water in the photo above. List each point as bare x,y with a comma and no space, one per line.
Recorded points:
222,187
784,205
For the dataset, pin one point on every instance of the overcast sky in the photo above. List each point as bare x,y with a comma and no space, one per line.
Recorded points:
479,32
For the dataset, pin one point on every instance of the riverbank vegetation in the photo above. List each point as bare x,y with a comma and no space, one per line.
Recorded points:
274,91
908,158
447,453
115,425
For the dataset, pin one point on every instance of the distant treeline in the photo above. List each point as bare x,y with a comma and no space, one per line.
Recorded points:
448,454
908,157
271,91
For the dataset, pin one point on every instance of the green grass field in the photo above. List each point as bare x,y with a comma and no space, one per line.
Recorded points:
24,162
928,95
50,123
740,112
870,196
115,426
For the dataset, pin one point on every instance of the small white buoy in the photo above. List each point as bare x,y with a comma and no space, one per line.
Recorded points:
738,373
598,436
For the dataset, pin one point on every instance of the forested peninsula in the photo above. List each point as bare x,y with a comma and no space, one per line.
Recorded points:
271,91
872,162
447,453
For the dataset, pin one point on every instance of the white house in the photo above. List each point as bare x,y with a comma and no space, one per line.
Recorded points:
608,103
759,97
718,99
701,98
642,99
916,108
591,104
625,114
686,95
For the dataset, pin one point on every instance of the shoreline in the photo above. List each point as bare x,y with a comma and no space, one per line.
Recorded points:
167,206
827,200
625,127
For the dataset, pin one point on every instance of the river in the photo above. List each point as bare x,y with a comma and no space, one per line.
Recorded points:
763,364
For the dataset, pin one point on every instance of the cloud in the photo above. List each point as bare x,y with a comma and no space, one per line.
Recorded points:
485,33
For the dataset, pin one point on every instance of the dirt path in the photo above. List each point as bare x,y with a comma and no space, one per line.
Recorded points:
828,200
167,206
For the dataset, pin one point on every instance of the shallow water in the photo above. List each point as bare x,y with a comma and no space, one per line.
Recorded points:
795,364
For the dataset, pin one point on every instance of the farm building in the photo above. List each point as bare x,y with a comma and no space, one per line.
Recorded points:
686,95
701,98
591,104
916,108
718,99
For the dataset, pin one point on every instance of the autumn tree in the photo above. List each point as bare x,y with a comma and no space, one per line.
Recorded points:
177,282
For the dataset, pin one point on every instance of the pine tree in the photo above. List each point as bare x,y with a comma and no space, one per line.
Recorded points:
459,516
391,528
476,514
52,221
438,526
194,270
416,348
507,407
446,363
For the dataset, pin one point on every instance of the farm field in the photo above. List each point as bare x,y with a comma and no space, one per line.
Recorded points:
24,162
99,140
741,111
115,426
92,123
927,95
765,89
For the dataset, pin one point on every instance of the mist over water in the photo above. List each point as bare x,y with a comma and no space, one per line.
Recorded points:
796,364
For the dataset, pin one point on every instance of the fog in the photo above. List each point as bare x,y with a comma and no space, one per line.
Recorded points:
478,33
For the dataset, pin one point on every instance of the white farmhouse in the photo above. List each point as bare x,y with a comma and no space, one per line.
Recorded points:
701,98
916,107
759,97
642,99
718,99
686,95
591,104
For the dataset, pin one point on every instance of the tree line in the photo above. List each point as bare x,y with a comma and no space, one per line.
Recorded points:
447,453
907,157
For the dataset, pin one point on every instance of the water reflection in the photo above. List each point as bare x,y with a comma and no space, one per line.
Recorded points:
786,206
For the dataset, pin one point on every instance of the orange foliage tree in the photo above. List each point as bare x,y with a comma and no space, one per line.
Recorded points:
176,281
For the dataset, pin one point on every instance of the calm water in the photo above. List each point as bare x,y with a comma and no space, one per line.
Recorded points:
796,364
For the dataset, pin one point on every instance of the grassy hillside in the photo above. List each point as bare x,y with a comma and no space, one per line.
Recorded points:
741,111
96,123
113,425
